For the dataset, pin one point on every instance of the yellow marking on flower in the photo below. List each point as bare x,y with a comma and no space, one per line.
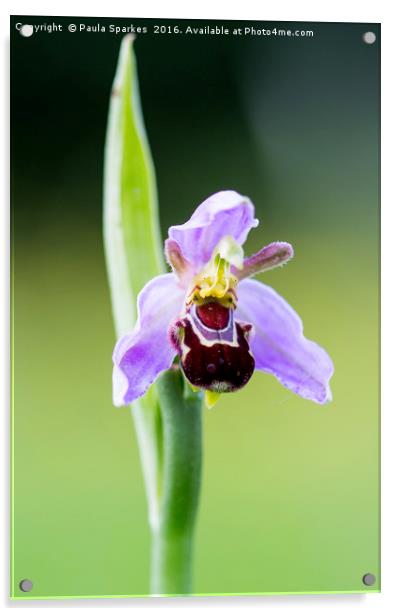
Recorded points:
211,398
216,280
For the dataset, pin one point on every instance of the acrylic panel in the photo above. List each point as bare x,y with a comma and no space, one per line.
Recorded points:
229,453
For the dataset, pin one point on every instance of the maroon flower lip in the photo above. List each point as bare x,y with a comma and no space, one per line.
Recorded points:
214,348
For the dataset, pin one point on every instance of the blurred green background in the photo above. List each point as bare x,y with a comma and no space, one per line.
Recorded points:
290,493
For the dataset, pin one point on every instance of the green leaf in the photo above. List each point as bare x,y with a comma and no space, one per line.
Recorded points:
131,227
132,242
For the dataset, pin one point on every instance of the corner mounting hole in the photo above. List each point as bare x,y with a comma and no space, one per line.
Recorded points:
369,38
26,585
26,30
369,579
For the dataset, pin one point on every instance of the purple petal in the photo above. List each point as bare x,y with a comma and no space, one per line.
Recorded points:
273,255
180,266
141,355
278,343
224,213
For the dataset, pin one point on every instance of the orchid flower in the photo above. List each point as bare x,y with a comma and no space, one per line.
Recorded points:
218,322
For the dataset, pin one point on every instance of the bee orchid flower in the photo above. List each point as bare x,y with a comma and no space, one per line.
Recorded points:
218,322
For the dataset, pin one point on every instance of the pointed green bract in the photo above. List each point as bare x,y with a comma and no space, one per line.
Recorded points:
131,222
132,240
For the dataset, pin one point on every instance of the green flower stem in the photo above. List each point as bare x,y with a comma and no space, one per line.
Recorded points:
172,540
167,420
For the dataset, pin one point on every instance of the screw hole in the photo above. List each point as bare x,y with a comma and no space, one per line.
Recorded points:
369,579
369,38
26,585
26,30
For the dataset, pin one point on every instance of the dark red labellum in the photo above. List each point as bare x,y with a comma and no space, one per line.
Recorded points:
214,348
